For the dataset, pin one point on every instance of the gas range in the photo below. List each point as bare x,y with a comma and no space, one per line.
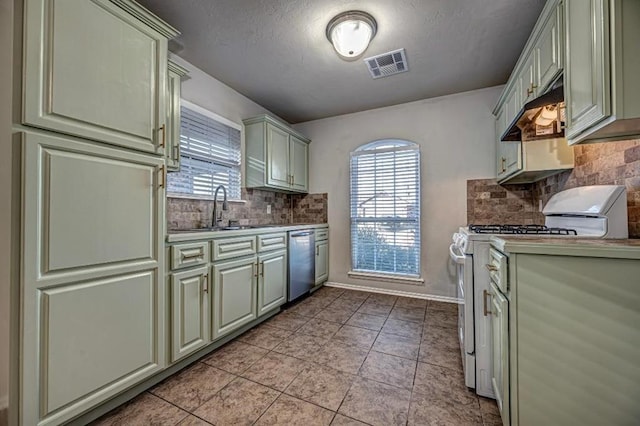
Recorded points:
521,230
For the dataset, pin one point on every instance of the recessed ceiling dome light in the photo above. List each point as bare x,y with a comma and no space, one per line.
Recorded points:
350,33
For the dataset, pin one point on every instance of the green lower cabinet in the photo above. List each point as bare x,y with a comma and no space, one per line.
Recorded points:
234,298
322,261
272,281
189,311
500,349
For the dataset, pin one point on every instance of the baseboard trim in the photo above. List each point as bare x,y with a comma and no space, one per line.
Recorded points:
435,298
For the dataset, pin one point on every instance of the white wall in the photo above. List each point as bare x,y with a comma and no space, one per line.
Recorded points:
6,40
205,91
456,138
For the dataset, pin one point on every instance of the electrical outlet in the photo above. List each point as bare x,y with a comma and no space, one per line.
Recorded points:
268,208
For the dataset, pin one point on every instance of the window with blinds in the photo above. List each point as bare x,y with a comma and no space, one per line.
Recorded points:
385,208
209,155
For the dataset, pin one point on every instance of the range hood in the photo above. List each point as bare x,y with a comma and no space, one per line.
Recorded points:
541,118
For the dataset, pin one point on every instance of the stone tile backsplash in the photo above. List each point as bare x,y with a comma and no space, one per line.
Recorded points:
188,213
490,203
310,208
608,163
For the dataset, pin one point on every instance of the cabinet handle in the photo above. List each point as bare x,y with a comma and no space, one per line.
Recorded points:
192,256
163,129
491,267
503,164
255,270
317,250
262,268
176,153
486,311
205,286
163,173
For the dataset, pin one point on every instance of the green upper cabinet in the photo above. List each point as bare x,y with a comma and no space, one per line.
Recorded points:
96,69
548,50
277,157
540,65
602,88
172,130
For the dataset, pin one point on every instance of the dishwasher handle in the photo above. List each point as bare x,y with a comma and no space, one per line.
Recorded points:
302,234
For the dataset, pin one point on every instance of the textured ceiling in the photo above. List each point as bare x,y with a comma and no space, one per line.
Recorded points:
275,51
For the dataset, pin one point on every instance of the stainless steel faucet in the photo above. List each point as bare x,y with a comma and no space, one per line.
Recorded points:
225,205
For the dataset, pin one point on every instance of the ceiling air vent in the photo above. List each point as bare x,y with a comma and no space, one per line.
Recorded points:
387,64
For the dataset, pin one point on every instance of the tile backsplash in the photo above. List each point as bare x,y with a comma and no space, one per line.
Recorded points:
188,213
609,163
310,208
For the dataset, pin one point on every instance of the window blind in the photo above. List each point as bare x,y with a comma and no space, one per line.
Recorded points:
385,208
209,156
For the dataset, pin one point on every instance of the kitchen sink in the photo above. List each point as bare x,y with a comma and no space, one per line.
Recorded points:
225,228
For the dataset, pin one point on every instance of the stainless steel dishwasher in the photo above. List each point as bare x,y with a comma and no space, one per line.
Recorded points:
302,262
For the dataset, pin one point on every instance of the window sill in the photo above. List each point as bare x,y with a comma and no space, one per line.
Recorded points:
384,277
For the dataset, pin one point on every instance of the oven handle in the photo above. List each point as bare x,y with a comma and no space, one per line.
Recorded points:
454,256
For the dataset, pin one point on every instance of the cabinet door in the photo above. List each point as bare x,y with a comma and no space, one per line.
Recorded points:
587,70
93,312
172,151
272,282
234,295
299,164
548,49
93,70
189,311
527,81
500,333
277,157
322,261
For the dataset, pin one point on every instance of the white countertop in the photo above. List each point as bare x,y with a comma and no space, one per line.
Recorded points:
179,236
590,247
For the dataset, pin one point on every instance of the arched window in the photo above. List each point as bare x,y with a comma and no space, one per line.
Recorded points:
385,208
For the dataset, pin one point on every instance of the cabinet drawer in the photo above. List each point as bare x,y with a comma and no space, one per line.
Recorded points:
268,242
498,269
228,248
322,234
190,254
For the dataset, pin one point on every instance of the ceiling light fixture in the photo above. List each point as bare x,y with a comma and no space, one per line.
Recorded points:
350,33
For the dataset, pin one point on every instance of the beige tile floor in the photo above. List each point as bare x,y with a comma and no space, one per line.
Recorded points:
336,358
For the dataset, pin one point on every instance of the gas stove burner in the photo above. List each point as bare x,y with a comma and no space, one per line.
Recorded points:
520,229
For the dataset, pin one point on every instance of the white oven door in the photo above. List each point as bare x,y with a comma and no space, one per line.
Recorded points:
464,284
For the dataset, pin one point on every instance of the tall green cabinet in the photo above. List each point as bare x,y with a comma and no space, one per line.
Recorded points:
92,293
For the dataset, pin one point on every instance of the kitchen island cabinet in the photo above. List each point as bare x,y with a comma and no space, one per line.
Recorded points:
573,340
